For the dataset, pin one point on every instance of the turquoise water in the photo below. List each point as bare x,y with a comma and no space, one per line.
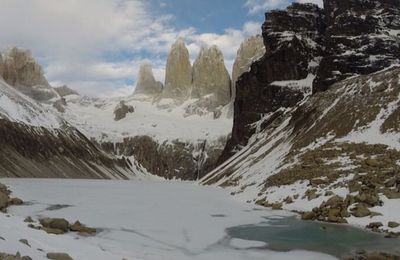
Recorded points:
293,234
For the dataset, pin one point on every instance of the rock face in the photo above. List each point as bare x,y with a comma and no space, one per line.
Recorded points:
347,38
20,70
210,76
362,37
178,77
292,39
147,84
175,159
250,50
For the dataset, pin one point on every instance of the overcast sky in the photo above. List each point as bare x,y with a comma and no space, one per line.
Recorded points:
96,46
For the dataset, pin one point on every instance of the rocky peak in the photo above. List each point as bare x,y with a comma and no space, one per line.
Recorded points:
146,83
250,50
178,77
362,37
210,76
21,71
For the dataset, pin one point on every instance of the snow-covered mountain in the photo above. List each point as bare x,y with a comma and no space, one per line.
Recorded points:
166,142
176,131
36,142
333,153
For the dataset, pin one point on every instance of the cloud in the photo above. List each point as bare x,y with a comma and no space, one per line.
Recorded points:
317,2
96,46
257,6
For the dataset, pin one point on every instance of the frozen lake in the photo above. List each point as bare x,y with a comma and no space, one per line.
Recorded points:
165,220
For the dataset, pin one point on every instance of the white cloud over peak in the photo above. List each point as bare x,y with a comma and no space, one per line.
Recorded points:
257,6
96,46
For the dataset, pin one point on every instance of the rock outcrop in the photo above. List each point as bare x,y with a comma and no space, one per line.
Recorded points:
21,71
121,110
292,40
147,84
250,50
178,77
210,76
362,37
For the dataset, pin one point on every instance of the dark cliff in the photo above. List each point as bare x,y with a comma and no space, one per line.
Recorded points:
362,37
292,39
346,38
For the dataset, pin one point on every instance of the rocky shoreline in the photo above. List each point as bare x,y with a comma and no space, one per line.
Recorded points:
60,226
55,226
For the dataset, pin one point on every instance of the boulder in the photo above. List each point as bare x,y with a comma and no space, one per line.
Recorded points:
178,74
55,223
393,224
28,219
391,194
147,84
310,215
360,210
334,215
3,200
15,201
79,227
277,206
375,225
25,242
58,256
334,202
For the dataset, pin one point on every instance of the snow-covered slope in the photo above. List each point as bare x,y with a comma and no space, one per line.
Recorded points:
165,139
36,142
19,108
344,142
95,118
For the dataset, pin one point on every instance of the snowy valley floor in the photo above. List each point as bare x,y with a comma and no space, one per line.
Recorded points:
167,220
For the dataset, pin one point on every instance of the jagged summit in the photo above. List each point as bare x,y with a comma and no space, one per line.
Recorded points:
20,70
147,84
178,76
250,50
210,76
